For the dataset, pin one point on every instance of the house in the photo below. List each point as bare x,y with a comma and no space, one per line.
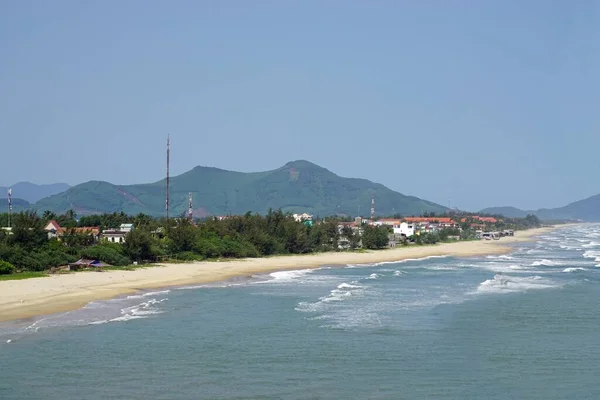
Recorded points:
126,227
405,229
302,217
53,229
114,235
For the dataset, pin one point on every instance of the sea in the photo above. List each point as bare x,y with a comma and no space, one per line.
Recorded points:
524,325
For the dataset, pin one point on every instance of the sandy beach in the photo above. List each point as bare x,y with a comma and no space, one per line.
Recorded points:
27,298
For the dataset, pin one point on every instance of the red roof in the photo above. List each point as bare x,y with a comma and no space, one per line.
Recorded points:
441,220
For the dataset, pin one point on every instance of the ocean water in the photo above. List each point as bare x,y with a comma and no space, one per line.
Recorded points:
520,326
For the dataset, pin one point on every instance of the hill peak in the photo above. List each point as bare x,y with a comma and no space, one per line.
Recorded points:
302,164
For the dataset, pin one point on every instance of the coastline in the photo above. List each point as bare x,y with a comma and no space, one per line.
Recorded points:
21,299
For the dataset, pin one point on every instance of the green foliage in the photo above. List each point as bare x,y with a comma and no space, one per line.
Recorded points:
375,237
141,246
6,268
28,230
109,253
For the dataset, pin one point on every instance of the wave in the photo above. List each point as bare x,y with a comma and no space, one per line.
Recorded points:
148,294
592,254
287,276
138,311
591,244
511,284
399,273
502,257
349,285
574,269
373,276
545,262
394,262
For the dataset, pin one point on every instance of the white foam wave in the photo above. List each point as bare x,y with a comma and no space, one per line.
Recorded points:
592,254
399,273
503,257
148,294
373,276
287,276
574,269
421,259
511,284
591,244
545,262
348,286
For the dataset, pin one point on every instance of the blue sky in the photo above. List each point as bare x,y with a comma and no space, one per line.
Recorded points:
466,103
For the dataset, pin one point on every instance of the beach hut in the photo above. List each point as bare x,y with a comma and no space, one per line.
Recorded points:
85,263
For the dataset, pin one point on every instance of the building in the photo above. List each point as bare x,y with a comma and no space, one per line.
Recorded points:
126,227
302,217
114,235
54,230
405,229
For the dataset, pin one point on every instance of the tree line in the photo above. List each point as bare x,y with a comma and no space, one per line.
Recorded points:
28,247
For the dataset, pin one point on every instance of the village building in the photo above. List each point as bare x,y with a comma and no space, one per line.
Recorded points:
54,230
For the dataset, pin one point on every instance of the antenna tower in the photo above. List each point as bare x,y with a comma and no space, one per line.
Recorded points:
168,160
190,209
372,207
9,197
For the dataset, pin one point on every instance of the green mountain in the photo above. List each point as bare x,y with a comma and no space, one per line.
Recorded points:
32,192
585,210
18,205
298,186
510,212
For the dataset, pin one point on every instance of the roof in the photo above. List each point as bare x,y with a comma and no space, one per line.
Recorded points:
442,220
54,225
94,230
114,232
90,263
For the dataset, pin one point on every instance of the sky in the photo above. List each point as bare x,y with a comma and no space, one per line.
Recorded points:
469,104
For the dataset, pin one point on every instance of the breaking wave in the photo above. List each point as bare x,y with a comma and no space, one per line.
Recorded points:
574,269
511,284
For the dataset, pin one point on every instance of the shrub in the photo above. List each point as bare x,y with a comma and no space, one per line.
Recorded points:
6,268
110,253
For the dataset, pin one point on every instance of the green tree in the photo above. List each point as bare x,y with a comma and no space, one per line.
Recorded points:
140,245
375,237
28,230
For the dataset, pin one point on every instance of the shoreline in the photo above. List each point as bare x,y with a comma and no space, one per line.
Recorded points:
29,298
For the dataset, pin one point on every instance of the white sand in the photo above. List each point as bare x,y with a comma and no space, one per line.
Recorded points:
58,293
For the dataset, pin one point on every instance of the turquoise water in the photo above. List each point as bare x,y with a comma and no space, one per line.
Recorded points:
520,326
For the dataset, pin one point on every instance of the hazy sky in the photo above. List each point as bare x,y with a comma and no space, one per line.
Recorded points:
466,103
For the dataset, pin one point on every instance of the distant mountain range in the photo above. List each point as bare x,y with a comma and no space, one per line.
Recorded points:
31,192
586,210
298,187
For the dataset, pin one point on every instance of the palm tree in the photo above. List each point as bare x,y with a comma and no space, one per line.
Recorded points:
48,215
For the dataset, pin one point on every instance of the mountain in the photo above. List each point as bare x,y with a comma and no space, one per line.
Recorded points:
586,210
32,192
18,205
510,212
298,186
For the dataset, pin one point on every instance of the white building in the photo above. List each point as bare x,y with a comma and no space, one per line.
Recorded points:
114,236
302,217
126,227
405,229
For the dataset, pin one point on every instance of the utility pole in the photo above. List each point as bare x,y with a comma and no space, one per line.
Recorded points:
372,207
167,192
9,206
